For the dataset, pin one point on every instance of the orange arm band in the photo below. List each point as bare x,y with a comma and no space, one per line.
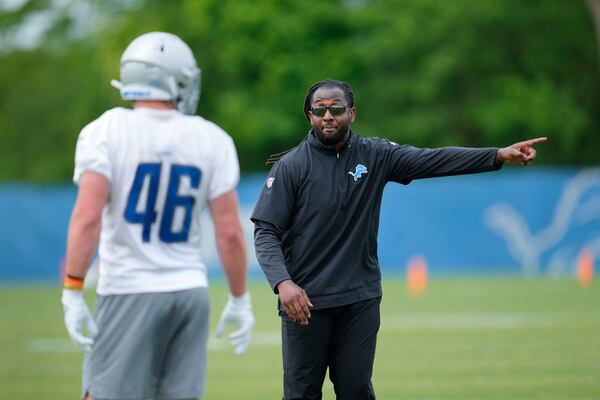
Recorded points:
73,282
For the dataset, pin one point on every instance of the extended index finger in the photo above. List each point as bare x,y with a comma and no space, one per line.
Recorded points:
531,142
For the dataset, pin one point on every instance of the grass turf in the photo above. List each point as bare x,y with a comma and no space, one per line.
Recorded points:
464,339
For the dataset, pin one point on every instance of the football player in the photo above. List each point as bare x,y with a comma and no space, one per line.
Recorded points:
144,175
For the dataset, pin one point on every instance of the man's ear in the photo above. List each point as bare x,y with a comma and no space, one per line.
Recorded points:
352,114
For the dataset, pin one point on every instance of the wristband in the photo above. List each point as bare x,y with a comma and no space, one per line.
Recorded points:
73,282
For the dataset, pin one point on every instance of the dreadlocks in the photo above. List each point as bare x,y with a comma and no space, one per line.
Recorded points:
273,158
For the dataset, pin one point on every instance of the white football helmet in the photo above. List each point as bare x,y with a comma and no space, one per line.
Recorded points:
160,66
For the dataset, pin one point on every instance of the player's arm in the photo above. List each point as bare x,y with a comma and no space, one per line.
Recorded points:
267,242
82,241
231,247
86,221
230,240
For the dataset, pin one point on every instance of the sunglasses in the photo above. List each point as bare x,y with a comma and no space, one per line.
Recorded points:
320,111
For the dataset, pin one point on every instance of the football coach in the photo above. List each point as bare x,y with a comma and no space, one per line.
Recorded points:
315,233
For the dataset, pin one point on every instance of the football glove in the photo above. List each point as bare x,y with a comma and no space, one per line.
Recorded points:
78,315
237,311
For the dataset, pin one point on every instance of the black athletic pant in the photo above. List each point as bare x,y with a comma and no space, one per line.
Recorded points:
342,338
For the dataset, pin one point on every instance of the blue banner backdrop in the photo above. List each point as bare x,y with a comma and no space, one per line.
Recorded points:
520,220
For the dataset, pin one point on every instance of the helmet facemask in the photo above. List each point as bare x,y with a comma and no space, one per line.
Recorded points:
188,91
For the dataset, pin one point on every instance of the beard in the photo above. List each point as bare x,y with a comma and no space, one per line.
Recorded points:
333,138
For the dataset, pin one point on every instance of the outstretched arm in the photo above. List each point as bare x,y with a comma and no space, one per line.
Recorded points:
519,153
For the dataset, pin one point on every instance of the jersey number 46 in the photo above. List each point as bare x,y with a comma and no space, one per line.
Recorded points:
147,217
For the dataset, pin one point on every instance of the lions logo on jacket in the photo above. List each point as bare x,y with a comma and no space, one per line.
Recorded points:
359,171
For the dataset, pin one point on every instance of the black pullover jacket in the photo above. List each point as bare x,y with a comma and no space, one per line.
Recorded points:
317,216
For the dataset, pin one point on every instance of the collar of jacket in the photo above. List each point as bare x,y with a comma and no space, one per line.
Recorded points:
314,141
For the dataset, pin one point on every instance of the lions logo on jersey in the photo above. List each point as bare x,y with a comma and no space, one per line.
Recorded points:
359,171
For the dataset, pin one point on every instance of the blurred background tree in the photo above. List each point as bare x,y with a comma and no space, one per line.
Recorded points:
425,72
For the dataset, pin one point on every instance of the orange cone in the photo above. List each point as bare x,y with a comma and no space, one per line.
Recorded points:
585,268
416,276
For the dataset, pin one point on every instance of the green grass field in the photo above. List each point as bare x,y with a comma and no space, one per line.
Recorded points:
464,339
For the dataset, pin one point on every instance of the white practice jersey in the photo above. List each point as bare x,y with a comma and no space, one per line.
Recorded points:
163,168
